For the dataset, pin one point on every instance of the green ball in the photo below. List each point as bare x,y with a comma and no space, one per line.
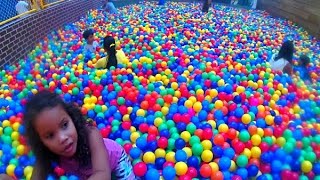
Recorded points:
194,140
159,114
171,145
121,100
310,156
244,136
287,134
63,178
119,141
175,136
288,147
7,131
303,177
173,130
162,127
97,108
160,101
242,161
75,91
306,142
14,162
197,149
191,128
170,124
151,87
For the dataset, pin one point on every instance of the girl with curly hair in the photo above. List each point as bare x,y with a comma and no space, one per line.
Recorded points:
59,135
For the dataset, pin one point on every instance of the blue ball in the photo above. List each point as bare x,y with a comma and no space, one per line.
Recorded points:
229,152
73,177
180,155
141,143
152,174
159,162
193,161
18,172
180,143
169,173
276,166
253,170
135,153
224,163
242,172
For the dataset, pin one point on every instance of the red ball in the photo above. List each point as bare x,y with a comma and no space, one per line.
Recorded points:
140,169
59,171
205,170
127,147
218,140
104,132
163,142
207,134
143,127
185,177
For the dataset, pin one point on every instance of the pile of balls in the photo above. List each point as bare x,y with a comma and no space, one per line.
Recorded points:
196,100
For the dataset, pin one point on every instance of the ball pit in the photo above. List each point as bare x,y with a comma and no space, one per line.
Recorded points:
197,98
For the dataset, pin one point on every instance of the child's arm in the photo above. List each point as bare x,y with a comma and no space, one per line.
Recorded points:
99,156
288,69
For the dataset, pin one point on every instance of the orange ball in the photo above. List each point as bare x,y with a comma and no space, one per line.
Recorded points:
218,140
205,170
217,176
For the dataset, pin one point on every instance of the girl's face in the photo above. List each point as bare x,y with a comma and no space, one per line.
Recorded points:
57,131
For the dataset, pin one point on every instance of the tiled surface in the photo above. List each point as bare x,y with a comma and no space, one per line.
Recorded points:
20,37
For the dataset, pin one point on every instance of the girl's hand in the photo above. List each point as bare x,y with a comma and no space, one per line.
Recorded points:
99,156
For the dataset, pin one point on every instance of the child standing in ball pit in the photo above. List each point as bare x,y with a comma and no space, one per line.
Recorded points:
283,61
113,56
91,45
59,135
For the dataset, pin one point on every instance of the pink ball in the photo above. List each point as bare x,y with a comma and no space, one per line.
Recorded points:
140,169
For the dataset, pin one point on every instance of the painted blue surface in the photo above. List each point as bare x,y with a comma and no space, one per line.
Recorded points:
7,9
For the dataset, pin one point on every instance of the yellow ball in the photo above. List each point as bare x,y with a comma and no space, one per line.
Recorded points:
185,135
240,89
247,153
181,168
197,106
232,166
5,123
170,157
15,135
256,139
212,123
223,128
160,153
10,169
188,103
221,82
269,120
255,152
218,104
213,93
149,157
281,141
165,110
20,149
158,121
28,170
306,166
63,80
193,99
1,131
207,155
206,144
174,85
134,136
188,151
246,118
214,166
141,112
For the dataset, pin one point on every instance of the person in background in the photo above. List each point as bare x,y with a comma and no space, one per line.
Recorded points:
91,45
206,5
5,177
22,7
283,60
302,68
113,56
109,7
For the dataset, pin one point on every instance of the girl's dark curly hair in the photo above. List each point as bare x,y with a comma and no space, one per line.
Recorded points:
286,51
42,101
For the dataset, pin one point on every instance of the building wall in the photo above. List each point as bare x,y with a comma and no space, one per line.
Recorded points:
19,37
305,13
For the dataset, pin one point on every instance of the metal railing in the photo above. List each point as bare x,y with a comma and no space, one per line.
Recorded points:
9,11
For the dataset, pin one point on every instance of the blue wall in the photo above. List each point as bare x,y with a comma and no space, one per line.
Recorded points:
7,9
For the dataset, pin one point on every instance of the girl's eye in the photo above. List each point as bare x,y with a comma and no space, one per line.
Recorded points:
64,125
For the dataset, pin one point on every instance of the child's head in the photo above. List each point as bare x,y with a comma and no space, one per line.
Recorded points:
304,60
88,36
109,44
286,51
55,129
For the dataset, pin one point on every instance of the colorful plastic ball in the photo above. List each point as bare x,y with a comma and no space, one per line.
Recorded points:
152,174
149,157
224,163
169,173
181,155
306,166
181,168
242,161
205,170
197,149
10,169
207,156
135,153
140,169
